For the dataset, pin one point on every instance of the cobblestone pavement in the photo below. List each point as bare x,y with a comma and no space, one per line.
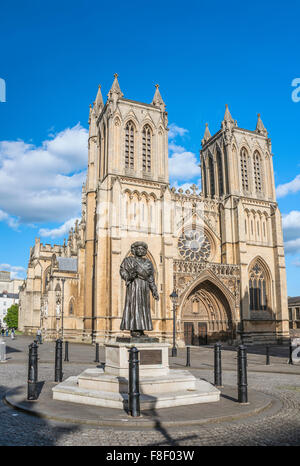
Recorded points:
280,427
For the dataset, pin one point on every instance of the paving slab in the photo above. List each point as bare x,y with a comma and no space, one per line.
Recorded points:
227,409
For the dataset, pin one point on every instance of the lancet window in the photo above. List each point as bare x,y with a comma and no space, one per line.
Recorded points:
211,177
129,145
220,173
71,308
257,172
147,148
244,169
258,288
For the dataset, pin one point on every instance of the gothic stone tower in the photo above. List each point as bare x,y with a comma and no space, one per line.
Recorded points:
126,185
236,167
221,249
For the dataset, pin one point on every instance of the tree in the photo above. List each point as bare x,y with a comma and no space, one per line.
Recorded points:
11,318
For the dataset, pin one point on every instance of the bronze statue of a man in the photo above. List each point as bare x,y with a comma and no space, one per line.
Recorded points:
138,273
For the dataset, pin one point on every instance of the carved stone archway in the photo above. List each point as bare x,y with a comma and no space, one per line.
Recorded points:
206,315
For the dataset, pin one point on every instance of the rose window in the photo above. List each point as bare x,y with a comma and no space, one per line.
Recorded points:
194,245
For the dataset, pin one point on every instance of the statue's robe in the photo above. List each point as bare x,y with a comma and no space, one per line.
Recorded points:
139,278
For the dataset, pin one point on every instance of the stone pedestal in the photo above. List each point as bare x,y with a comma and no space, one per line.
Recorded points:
159,386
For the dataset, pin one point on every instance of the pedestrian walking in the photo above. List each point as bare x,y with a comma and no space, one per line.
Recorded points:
2,332
12,334
39,336
6,332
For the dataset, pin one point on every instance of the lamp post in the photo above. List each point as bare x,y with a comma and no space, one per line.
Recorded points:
174,297
62,308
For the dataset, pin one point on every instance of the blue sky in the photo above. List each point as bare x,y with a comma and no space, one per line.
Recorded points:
203,54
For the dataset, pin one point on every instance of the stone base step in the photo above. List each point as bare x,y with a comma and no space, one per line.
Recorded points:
172,381
69,390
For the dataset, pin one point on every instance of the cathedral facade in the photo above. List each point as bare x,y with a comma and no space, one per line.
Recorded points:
221,249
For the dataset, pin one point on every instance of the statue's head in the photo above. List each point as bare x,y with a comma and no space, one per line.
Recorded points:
139,248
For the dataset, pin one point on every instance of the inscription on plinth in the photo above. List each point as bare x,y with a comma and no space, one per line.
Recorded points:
148,357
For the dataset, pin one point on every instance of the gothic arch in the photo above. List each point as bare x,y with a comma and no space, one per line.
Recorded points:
257,161
130,144
147,148
71,306
47,275
147,121
208,275
207,307
244,168
259,282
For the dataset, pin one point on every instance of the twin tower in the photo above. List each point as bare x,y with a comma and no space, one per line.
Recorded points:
221,249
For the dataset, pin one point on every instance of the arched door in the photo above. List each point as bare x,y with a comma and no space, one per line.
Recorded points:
206,315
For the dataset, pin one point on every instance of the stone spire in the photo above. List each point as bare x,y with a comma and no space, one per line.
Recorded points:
90,113
260,128
98,104
206,136
227,125
227,115
157,99
115,91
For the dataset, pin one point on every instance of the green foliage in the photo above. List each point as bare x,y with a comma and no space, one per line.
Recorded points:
11,318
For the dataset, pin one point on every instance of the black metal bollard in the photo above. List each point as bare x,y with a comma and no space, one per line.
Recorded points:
97,353
242,375
32,372
133,383
267,355
218,365
58,361
290,353
188,356
66,351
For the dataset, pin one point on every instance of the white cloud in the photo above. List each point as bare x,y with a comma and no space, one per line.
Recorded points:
43,184
60,231
291,231
175,131
292,246
293,186
183,166
12,222
291,225
16,271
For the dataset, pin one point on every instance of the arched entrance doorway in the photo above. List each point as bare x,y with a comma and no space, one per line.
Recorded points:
206,316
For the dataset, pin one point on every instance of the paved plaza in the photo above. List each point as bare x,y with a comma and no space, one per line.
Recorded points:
271,418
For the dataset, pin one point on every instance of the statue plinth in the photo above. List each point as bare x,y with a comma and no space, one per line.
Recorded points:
142,339
160,386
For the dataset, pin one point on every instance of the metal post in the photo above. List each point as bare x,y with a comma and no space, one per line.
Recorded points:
62,307
218,366
58,361
97,353
2,351
66,351
267,355
133,383
290,353
242,375
32,372
188,356
174,349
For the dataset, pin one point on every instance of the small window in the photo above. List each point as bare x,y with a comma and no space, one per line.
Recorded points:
71,308
129,145
147,148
